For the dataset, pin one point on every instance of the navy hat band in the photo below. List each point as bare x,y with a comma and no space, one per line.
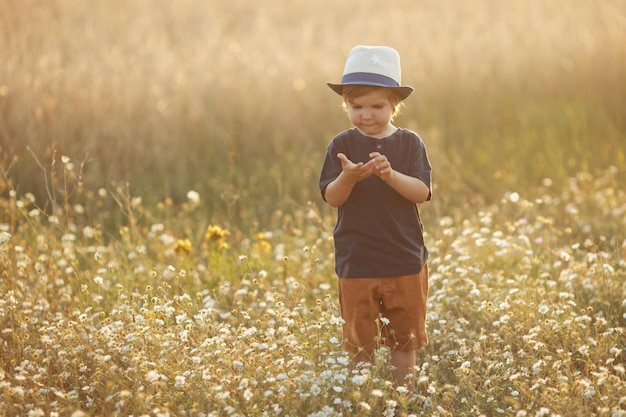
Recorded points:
369,78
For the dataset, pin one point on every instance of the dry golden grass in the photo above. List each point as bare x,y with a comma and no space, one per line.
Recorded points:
225,97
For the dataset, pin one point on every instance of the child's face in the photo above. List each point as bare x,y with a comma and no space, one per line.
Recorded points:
371,113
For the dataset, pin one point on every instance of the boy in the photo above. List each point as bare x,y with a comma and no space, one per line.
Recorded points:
376,174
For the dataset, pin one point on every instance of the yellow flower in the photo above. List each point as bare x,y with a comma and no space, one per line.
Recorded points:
264,235
183,247
262,247
216,233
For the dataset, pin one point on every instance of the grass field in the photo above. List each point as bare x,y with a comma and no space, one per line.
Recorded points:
164,250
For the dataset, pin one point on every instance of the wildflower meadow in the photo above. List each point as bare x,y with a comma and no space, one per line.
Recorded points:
527,314
164,250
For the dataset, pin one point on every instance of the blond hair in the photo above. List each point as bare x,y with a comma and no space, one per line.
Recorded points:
351,92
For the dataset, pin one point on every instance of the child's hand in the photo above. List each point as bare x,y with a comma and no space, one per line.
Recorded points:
355,172
381,166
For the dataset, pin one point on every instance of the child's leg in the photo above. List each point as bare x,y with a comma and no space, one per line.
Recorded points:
404,368
404,305
360,308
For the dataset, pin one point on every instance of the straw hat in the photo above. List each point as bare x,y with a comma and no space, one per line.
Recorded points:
373,65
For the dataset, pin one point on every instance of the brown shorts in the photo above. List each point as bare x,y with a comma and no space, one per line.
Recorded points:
384,312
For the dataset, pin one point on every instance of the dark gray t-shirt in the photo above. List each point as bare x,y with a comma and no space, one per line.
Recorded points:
378,232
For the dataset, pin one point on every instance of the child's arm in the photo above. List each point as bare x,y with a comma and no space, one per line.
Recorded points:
411,188
338,191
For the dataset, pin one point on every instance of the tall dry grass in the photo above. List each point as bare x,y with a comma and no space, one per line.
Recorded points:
228,98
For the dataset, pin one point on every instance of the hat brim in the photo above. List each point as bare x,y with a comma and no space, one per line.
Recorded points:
404,90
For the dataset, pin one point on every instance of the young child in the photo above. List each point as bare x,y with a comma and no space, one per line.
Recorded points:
376,174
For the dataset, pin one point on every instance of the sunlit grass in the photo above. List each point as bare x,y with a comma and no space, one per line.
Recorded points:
230,100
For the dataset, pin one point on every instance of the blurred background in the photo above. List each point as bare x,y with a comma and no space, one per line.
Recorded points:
228,98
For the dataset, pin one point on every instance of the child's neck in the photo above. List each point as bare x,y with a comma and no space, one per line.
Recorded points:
389,130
